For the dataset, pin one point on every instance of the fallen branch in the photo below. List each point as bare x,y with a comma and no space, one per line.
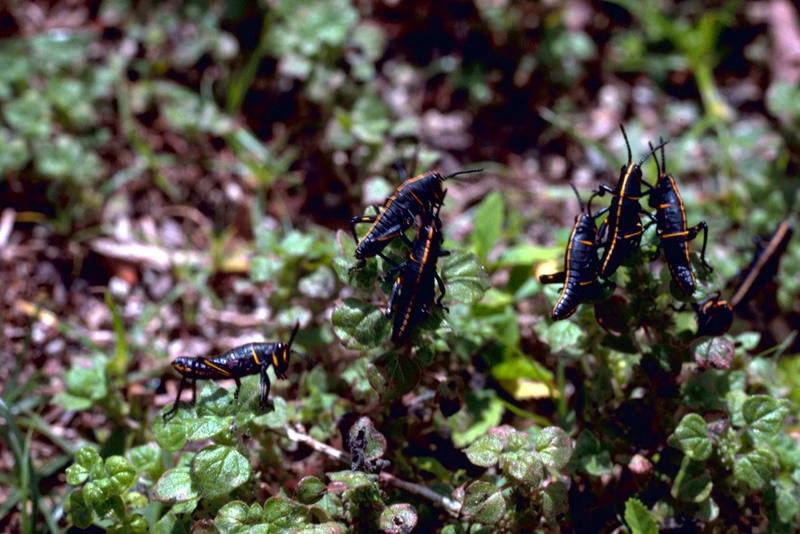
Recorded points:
149,255
451,506
318,446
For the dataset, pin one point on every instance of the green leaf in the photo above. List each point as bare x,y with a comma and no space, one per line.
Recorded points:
554,446
146,460
465,278
175,486
14,153
310,489
483,412
562,334
80,513
484,503
76,475
374,442
87,463
359,325
393,375
89,458
591,456
638,518
172,435
485,451
88,382
527,254
525,467
370,119
555,500
360,488
63,157
232,517
715,352
284,515
398,519
370,38
120,473
171,524
693,483
691,436
764,415
219,469
320,284
29,114
97,492
278,417
207,426
756,468
488,224
787,503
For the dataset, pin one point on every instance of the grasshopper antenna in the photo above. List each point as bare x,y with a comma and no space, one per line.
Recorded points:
294,333
661,144
459,173
578,196
627,143
663,161
655,156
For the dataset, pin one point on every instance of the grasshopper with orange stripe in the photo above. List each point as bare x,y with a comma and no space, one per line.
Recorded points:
414,197
672,227
621,233
714,316
245,360
413,291
579,277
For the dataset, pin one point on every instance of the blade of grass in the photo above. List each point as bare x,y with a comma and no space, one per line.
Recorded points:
243,79
118,363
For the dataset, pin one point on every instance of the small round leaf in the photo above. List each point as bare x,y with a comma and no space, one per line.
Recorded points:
398,519
219,469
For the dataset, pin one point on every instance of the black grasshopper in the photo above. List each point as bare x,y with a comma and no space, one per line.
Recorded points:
763,267
413,291
714,316
245,360
414,197
579,277
672,227
621,233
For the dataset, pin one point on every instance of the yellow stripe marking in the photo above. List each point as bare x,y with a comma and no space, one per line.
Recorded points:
586,283
618,213
675,234
585,242
664,206
423,261
684,224
765,257
562,295
217,367
413,194
632,234
275,360
255,356
393,197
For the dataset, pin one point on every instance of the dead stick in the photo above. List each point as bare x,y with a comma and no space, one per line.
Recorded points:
450,505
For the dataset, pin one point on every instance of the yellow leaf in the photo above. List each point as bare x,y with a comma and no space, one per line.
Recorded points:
525,389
